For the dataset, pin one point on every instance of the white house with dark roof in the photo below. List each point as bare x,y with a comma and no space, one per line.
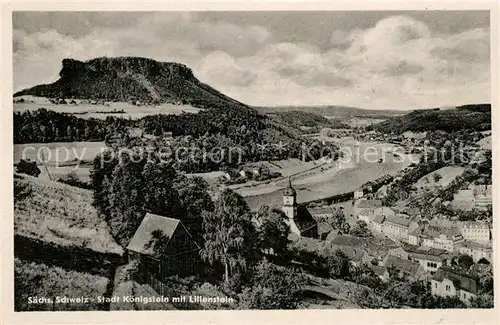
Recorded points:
363,204
448,282
429,258
476,250
436,237
394,226
477,231
413,270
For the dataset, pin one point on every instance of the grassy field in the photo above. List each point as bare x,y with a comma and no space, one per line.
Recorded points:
83,172
87,110
61,214
485,143
358,121
448,174
40,280
58,151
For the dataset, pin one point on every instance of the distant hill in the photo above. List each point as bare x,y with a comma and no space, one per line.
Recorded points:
222,123
335,111
475,116
306,119
130,79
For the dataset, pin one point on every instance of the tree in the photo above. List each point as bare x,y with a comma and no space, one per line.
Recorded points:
465,261
28,167
272,288
194,196
361,229
339,221
273,231
482,301
229,234
436,177
126,201
339,265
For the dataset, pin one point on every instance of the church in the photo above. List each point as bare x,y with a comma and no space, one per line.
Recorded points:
299,218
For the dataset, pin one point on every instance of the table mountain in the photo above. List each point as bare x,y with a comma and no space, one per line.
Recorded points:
131,79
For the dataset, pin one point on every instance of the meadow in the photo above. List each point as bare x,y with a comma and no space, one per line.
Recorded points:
448,174
84,109
58,152
61,214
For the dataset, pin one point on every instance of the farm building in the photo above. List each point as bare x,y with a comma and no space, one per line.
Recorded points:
163,247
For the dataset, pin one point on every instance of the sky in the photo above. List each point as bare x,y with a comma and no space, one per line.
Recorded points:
368,59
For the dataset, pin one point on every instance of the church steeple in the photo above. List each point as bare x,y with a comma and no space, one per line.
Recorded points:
290,206
290,191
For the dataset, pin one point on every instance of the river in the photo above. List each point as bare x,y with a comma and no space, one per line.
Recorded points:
357,168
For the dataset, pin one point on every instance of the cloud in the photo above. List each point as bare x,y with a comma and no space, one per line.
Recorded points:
397,63
221,68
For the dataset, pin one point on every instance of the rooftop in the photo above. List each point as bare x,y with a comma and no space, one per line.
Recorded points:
153,235
477,246
474,224
427,253
321,210
397,220
404,265
367,204
435,232
464,281
378,270
304,219
379,219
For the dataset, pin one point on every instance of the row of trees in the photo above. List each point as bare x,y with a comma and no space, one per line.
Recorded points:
473,118
208,141
45,125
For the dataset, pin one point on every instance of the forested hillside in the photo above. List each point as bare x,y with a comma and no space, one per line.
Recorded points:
477,117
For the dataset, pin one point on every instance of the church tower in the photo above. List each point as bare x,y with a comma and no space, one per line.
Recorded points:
290,206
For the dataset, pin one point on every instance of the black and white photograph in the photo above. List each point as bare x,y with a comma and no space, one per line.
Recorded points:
252,160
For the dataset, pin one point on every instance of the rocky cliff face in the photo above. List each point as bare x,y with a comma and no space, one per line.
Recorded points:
131,79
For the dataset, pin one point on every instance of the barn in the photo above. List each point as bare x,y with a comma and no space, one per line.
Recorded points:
163,247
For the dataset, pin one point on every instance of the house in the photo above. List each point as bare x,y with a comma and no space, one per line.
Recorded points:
358,193
482,197
381,272
373,248
163,247
377,223
448,282
398,252
355,255
476,231
436,237
475,197
410,269
299,218
394,226
366,204
322,213
429,258
476,250
366,215
384,211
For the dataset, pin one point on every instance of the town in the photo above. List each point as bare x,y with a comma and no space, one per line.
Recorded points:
303,176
